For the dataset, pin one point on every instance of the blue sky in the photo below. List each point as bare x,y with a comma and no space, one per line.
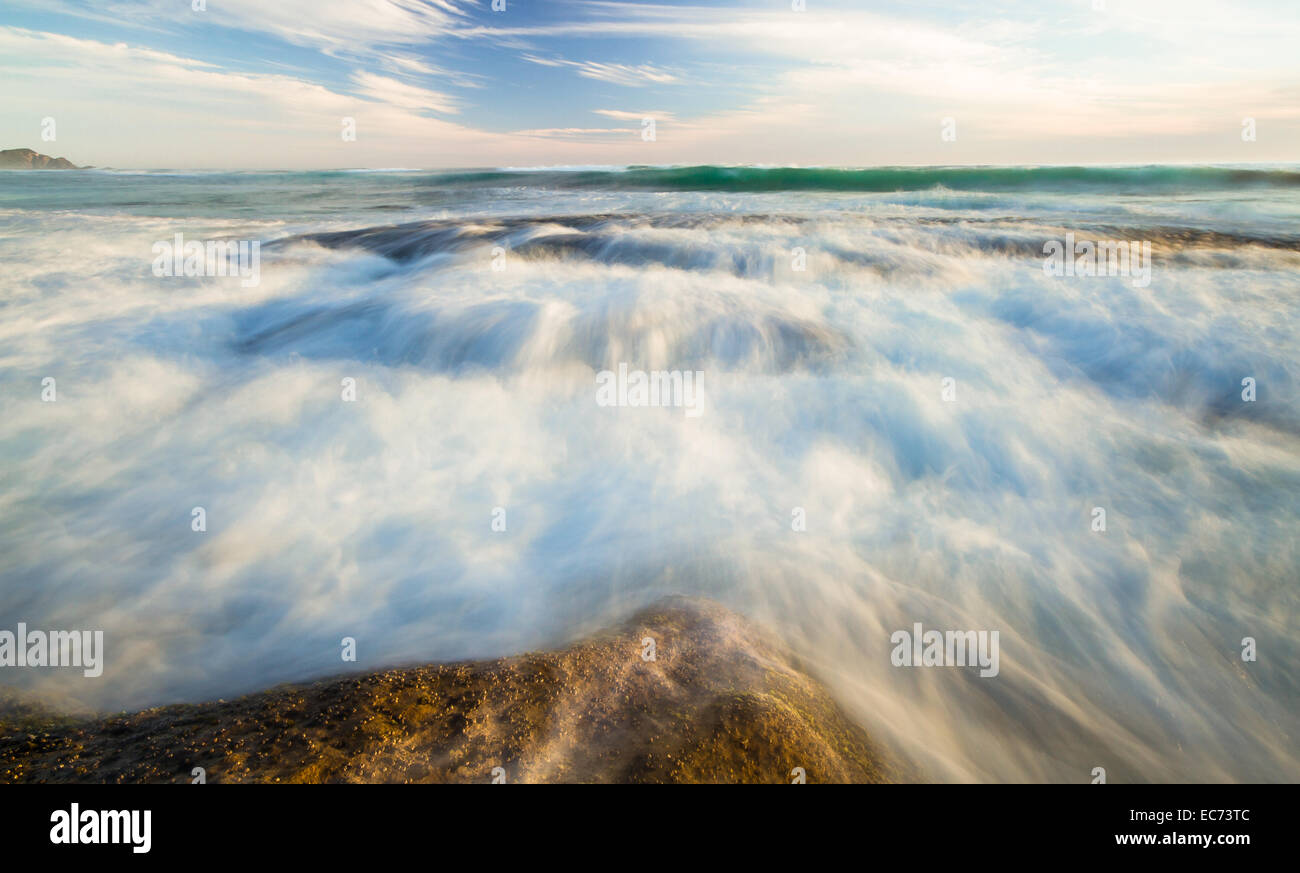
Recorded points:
437,83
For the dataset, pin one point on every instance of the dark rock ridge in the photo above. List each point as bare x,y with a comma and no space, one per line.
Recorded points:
26,159
720,702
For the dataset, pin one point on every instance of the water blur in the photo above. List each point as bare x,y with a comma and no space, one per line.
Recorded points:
475,389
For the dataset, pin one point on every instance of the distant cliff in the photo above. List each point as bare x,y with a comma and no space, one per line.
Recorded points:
720,702
26,159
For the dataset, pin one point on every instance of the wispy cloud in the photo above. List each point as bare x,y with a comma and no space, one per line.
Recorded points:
623,115
124,105
316,23
415,66
618,74
397,93
577,132
874,85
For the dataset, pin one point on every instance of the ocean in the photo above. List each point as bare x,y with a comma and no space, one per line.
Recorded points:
904,414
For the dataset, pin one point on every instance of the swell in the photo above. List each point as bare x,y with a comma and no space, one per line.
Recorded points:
1148,179
1137,180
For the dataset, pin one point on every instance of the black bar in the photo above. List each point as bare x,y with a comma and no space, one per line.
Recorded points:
521,824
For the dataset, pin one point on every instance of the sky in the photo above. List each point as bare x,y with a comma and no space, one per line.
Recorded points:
457,83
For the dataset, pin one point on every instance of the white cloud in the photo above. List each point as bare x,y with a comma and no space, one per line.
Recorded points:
125,106
318,23
397,93
578,132
623,115
618,74
872,85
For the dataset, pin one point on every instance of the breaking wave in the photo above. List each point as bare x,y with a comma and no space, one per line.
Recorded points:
473,311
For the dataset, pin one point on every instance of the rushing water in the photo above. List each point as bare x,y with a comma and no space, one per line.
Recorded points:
824,400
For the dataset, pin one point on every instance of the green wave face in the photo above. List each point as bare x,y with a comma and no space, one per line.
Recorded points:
754,179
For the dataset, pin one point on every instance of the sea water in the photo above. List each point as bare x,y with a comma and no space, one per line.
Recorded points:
394,436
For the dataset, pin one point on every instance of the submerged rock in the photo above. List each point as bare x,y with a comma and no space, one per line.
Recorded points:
719,702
